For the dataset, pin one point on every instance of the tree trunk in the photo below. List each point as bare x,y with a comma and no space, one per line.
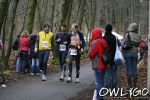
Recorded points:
29,19
81,14
3,8
93,15
67,20
12,25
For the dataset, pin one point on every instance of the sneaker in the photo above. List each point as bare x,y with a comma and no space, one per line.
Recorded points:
38,74
43,78
77,80
31,74
62,76
69,79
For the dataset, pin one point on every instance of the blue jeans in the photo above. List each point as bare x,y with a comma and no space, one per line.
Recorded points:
35,65
18,64
111,76
43,59
131,59
24,61
62,59
99,81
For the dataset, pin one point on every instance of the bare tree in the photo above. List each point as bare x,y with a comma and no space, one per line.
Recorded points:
29,19
3,8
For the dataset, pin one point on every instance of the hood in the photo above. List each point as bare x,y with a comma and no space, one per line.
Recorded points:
96,33
24,36
133,28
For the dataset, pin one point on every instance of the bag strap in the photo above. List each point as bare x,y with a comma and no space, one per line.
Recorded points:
117,44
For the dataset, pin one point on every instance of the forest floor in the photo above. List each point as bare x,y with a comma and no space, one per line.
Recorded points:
87,94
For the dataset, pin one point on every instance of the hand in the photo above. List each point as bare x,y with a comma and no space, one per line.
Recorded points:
35,50
58,40
51,54
65,42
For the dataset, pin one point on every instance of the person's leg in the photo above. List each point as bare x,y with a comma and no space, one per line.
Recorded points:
60,60
70,57
63,59
108,77
41,59
99,81
45,60
128,61
77,61
33,66
134,66
18,65
64,56
114,76
37,66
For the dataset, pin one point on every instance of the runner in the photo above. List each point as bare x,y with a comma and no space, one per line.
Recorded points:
77,45
63,39
44,44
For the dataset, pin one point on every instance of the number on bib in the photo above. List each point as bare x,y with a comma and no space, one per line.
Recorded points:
45,44
73,52
62,47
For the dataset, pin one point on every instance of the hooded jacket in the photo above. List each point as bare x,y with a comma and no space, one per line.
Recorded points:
24,43
134,35
97,45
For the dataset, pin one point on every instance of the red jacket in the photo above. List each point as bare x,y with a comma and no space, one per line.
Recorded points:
97,49
24,43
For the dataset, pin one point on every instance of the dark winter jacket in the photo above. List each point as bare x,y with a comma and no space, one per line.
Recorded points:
32,46
64,37
111,41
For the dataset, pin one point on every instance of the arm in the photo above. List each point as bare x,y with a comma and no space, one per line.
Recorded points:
37,43
93,51
57,38
82,39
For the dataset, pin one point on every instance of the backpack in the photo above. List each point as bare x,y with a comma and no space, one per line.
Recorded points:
106,57
127,43
15,45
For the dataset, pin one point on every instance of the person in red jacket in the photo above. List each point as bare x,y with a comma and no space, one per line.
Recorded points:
97,45
24,50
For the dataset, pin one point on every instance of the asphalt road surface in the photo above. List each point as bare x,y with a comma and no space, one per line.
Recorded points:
32,88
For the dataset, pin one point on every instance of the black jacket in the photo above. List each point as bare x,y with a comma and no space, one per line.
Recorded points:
64,37
32,46
111,41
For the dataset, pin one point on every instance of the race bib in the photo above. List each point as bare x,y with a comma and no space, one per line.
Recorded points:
62,47
73,52
45,44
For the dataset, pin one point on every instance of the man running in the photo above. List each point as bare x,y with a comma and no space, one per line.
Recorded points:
44,42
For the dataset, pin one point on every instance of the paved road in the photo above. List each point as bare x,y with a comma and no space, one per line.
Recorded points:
32,88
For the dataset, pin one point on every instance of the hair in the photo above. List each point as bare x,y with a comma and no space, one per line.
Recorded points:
108,28
63,25
75,25
46,25
25,33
